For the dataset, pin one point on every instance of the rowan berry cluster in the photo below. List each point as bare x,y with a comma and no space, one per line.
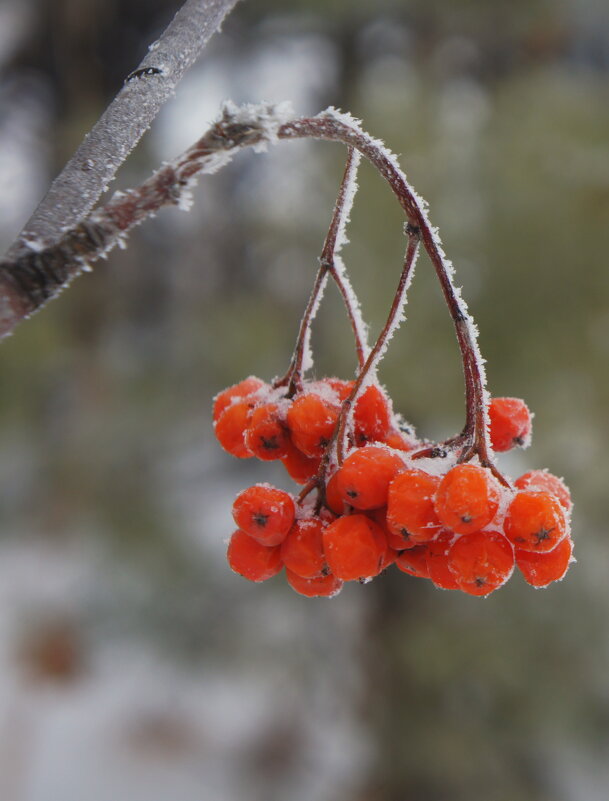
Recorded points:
392,500
373,493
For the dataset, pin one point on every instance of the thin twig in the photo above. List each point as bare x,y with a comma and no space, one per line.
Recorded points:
376,354
328,266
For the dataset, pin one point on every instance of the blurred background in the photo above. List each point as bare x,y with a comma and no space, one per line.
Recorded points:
133,664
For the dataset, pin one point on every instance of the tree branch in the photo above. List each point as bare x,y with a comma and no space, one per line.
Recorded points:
26,283
87,175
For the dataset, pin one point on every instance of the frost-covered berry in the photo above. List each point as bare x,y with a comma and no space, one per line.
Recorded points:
363,479
467,498
535,521
250,559
265,513
510,423
481,562
541,569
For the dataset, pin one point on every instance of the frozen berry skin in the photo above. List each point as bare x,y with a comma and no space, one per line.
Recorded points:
481,562
265,513
311,420
341,387
371,416
510,424
535,521
241,390
230,428
255,562
541,569
354,547
299,467
467,499
414,561
302,551
437,561
400,441
318,587
410,505
364,478
334,500
267,436
544,481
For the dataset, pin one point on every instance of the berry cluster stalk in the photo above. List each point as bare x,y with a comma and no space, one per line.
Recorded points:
329,264
377,352
334,126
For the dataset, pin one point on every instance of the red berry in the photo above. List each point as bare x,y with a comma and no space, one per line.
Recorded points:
467,499
252,560
241,390
437,561
410,505
541,569
320,586
364,478
399,441
481,562
545,482
302,551
312,420
339,386
265,513
371,416
267,435
300,468
535,521
355,547
414,561
510,422
334,500
230,428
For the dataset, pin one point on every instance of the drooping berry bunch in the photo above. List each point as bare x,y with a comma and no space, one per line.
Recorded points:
374,494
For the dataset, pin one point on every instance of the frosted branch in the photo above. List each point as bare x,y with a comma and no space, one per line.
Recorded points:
86,176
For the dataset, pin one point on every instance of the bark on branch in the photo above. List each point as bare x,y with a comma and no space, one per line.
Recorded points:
86,176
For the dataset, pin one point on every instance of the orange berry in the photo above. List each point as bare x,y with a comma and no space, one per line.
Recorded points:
241,390
341,387
311,421
437,561
320,586
230,428
334,500
410,505
545,482
535,521
265,513
302,551
510,423
541,569
467,499
355,547
400,441
250,559
371,416
481,562
414,561
267,435
300,468
364,478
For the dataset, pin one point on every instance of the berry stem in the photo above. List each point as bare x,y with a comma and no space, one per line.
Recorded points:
335,126
377,352
330,263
